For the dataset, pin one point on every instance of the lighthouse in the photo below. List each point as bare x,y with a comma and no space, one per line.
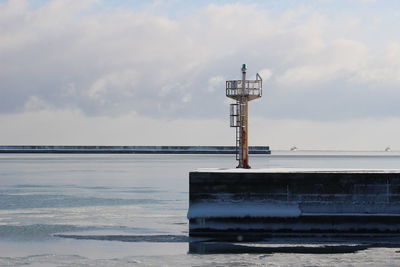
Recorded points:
242,91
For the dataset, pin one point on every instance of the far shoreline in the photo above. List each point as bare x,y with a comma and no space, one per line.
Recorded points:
49,149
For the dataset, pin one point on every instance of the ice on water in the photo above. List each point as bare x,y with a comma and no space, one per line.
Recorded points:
130,210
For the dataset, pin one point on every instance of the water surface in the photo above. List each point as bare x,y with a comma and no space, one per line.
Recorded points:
130,210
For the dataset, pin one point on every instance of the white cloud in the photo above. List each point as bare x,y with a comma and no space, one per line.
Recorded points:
186,98
122,83
384,69
265,74
365,1
35,103
67,55
216,82
341,57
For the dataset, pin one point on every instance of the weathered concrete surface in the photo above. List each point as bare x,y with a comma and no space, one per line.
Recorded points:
273,201
131,149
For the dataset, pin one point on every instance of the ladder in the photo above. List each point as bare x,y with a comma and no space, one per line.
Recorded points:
236,121
238,138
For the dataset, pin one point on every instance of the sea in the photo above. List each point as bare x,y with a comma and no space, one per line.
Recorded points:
130,210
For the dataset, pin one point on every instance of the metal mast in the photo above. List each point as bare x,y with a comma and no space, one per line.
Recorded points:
242,91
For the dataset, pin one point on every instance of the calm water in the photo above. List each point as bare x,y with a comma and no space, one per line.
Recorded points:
130,210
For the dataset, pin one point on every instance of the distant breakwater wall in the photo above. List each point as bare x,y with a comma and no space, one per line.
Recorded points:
131,149
269,202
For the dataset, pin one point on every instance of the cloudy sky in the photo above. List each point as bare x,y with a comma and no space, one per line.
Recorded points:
130,72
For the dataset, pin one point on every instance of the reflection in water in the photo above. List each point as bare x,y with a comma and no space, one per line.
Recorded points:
318,245
130,238
235,248
307,244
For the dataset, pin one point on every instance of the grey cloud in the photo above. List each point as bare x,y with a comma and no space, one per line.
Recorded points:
125,61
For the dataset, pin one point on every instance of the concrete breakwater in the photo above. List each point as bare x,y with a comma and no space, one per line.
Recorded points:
131,149
241,203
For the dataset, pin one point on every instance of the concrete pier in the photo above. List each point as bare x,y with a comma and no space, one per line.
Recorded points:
263,202
131,149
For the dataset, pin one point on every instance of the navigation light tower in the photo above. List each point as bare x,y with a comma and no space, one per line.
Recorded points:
242,91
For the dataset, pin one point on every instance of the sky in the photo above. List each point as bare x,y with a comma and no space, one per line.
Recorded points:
114,72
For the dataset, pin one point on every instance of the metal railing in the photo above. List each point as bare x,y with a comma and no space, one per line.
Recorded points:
251,87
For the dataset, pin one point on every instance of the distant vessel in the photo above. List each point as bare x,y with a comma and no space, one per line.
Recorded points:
293,148
387,149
